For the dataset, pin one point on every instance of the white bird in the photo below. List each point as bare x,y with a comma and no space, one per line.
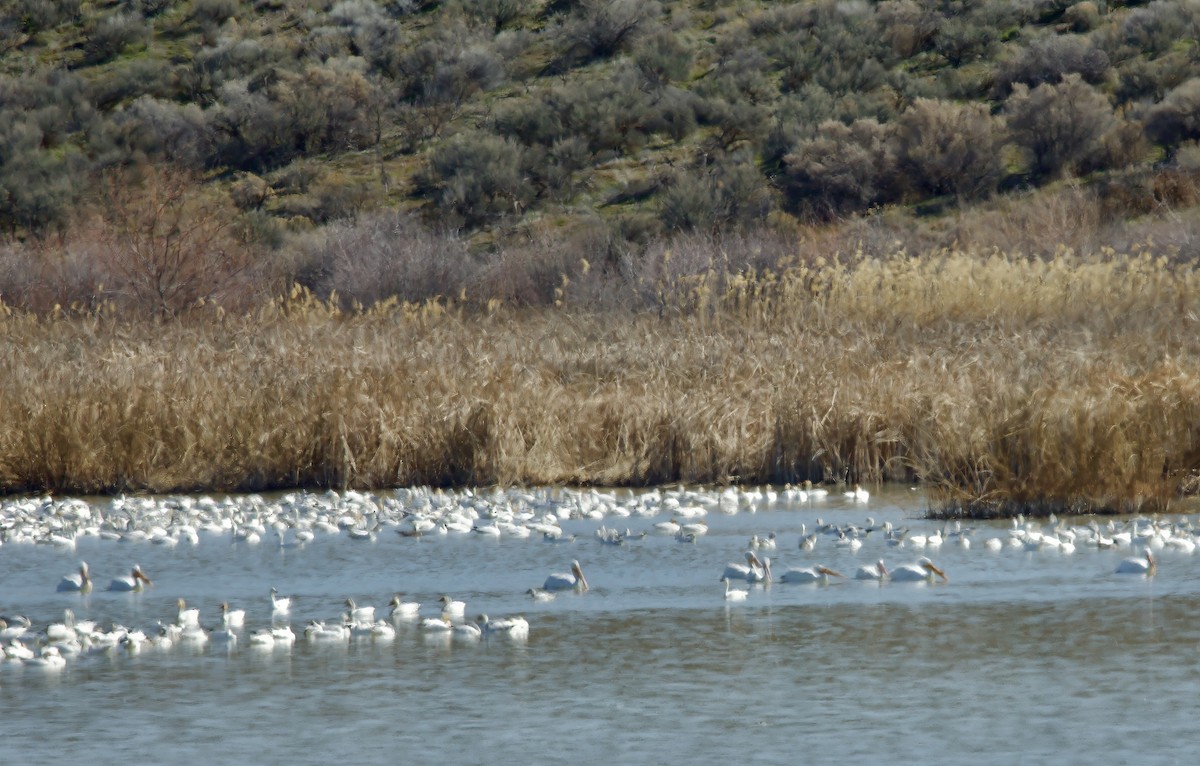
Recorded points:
319,631
440,624
283,635
858,495
761,574
538,594
135,582
360,613
876,571
234,618
76,583
515,627
813,574
451,607
186,617
563,581
736,594
224,634
1146,566
403,610
751,571
280,604
924,569
262,638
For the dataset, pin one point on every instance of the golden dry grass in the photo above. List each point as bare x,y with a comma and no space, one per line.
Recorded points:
1005,384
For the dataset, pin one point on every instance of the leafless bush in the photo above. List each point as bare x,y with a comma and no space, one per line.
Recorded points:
167,244
384,255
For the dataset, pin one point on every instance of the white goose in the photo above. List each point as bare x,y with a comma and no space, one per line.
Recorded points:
186,618
360,613
403,610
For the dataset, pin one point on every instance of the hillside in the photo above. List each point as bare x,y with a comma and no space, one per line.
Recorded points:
515,138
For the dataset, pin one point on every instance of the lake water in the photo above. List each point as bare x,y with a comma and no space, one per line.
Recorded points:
1023,656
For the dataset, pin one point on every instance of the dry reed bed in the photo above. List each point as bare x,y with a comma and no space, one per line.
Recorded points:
1006,384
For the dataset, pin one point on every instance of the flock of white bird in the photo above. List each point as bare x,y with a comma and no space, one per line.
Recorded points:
295,519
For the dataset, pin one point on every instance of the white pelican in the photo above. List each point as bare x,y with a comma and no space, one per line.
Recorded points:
360,613
735,594
280,605
403,610
135,582
877,571
924,569
451,607
76,583
762,574
1146,566
813,574
562,581
537,594
752,570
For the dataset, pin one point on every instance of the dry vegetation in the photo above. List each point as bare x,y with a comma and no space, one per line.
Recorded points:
1005,383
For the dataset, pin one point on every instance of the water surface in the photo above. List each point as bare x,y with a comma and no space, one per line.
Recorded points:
1031,656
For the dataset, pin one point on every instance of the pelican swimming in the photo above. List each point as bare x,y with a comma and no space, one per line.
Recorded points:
924,569
734,594
876,571
76,583
813,574
1146,566
135,582
403,610
752,570
562,581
